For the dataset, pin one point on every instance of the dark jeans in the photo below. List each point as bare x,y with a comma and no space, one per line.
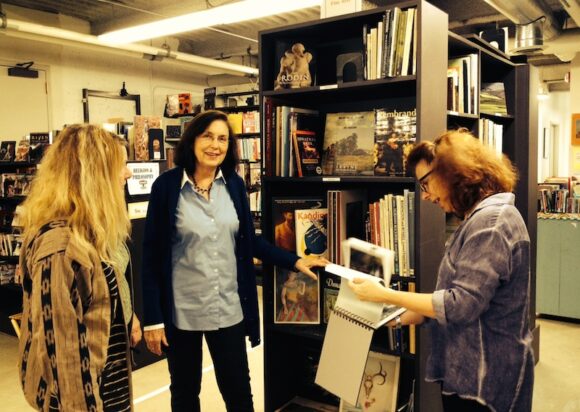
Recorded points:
228,351
453,403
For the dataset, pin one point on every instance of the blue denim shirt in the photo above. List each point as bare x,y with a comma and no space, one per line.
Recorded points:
481,342
204,278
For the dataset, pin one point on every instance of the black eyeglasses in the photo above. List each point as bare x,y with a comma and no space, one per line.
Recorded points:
422,183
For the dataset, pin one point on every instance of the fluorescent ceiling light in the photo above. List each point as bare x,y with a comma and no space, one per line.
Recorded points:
230,13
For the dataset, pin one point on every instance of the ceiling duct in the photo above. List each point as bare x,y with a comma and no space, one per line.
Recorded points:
527,11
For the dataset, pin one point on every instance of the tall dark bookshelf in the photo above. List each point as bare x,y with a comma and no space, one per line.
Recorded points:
10,293
520,139
291,351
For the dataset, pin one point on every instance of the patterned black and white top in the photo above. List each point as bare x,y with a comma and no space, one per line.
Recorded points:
73,346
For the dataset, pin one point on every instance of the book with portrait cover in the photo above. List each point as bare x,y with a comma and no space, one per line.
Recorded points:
283,221
348,144
311,232
7,151
395,135
296,297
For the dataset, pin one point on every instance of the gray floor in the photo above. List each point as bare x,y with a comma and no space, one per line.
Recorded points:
557,386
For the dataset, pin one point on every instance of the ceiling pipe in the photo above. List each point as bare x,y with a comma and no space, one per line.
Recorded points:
32,31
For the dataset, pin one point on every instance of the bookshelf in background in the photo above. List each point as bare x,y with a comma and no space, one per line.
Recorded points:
291,352
15,184
243,112
508,124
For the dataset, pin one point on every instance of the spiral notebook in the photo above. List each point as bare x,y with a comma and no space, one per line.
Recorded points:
348,337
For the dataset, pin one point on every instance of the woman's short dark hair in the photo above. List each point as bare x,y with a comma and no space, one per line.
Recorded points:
184,155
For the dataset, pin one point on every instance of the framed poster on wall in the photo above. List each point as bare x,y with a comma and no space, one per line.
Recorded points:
575,129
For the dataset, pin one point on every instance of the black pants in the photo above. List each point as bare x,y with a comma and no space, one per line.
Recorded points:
228,351
453,403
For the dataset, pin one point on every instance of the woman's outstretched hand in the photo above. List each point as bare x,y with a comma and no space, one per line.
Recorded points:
369,290
304,264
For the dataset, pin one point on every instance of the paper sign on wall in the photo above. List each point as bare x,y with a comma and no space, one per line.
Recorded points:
137,210
144,174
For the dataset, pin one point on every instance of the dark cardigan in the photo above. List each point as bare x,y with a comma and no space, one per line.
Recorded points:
157,270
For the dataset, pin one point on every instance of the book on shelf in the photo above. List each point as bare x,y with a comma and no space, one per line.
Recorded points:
389,47
142,124
236,121
348,144
283,218
491,134
349,334
39,142
7,151
392,226
295,65
296,298
311,232
22,151
462,81
307,152
395,135
330,287
251,122
209,95
346,210
155,142
492,98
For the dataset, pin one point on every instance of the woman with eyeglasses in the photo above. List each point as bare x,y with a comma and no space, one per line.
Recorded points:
481,349
198,273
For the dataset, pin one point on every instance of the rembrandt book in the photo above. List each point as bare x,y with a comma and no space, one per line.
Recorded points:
395,134
142,124
348,144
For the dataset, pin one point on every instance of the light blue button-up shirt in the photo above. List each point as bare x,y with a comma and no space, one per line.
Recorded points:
204,278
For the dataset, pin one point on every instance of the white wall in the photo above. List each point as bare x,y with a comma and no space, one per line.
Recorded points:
70,69
554,111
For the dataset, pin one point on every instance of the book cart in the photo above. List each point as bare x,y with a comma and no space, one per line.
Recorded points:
291,352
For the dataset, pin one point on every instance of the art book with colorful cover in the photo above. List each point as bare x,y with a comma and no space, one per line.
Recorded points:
492,98
348,144
307,152
296,297
311,225
395,135
283,218
142,124
330,287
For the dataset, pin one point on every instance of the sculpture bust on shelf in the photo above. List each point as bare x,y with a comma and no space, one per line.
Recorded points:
294,69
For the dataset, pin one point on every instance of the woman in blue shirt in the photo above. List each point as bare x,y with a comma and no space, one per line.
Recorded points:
481,352
198,273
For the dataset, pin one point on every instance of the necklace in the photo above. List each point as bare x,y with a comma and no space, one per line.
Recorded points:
199,189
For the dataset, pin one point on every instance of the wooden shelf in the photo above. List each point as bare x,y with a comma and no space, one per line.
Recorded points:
229,109
462,115
18,164
10,259
343,179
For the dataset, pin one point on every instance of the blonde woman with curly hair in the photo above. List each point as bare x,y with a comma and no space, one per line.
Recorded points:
74,346
478,315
